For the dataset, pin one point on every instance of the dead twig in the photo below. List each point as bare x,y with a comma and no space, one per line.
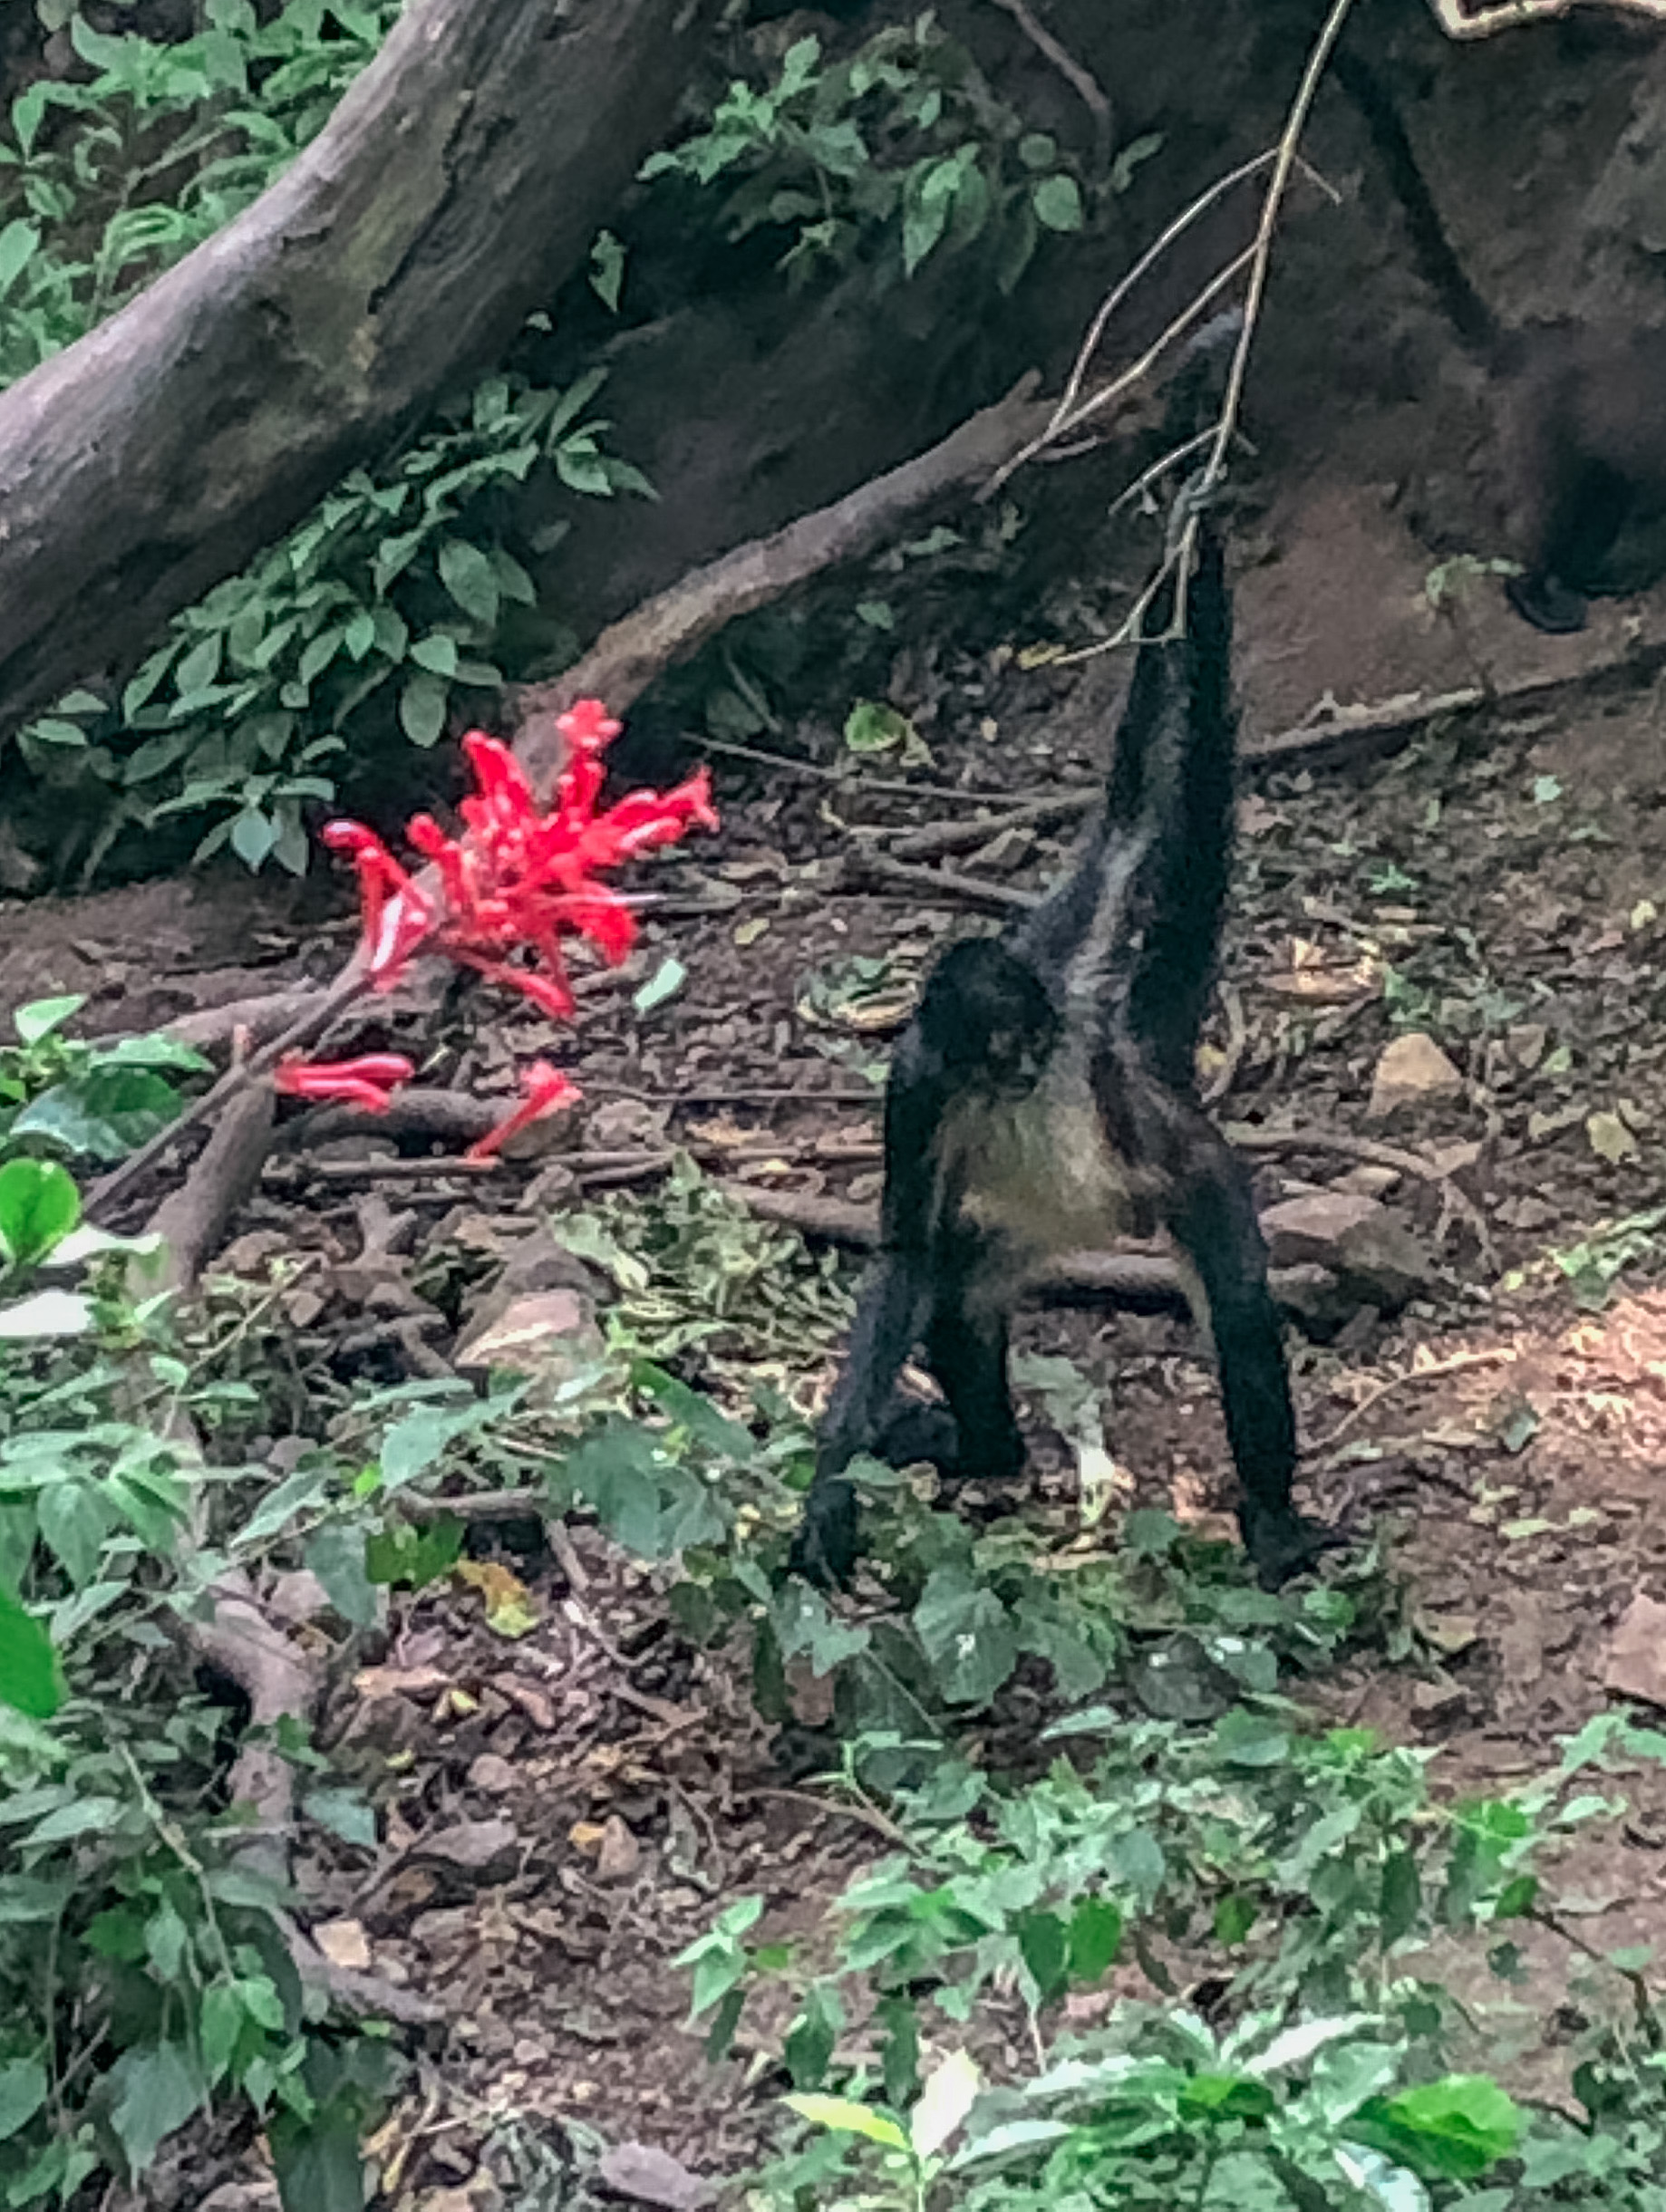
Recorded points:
946,837
1509,14
943,886
1498,1355
192,1221
1081,80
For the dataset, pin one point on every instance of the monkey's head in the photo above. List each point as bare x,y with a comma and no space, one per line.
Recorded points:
987,1018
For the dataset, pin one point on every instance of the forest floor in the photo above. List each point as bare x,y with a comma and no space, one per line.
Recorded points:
1492,883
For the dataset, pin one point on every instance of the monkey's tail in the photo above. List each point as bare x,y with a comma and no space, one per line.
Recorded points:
1182,889
1471,317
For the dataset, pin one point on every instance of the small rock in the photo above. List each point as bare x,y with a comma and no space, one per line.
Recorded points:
650,2177
1636,1663
492,1774
1376,1257
1314,1297
1413,1070
620,1854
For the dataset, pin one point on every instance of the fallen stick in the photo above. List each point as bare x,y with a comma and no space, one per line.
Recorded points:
631,653
192,1220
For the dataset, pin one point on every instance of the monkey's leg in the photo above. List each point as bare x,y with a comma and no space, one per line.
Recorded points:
890,1315
1582,522
1211,1217
966,1350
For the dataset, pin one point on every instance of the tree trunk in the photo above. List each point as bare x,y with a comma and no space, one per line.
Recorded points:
462,179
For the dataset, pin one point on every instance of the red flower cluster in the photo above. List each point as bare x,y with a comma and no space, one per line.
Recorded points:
517,878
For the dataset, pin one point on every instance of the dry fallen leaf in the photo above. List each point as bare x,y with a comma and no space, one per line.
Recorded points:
376,1682
344,1944
509,1609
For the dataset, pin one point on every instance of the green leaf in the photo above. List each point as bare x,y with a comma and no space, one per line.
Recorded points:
606,268
1057,201
1044,1943
437,654
1037,149
1400,1899
335,1554
1096,1937
40,1016
844,2117
320,2165
18,241
253,836
967,1635
74,1526
22,2093
1447,2131
39,1204
421,710
467,574
413,1557
809,2043
873,728
153,2091
108,1112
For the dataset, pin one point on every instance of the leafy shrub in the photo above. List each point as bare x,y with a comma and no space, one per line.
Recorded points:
894,154
106,183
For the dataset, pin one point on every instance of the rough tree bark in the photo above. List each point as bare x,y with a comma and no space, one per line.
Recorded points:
460,180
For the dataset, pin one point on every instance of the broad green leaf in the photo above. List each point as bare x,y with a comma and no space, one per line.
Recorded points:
847,2118
320,2166
40,1016
335,1554
345,1814
74,1526
108,1112
421,710
32,1679
22,2092
1044,1943
153,2090
1096,1937
39,1205
666,980
253,836
967,1635
1448,2131
467,574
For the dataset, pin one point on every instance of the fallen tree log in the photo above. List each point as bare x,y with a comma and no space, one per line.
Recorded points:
458,183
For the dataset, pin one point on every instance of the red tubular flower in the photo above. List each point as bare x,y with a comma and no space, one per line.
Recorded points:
516,880
544,1090
364,1082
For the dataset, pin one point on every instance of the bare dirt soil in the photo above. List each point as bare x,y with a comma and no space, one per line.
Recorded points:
1494,883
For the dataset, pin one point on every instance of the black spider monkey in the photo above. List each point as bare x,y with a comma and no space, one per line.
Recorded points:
1583,403
1043,1098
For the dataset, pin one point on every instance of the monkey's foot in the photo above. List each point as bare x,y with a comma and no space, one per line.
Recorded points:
824,1550
1280,1544
1548,603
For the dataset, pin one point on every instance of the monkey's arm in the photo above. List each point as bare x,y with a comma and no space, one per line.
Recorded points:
893,1313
